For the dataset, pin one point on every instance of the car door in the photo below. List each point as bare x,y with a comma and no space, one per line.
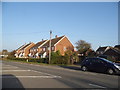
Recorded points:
91,64
102,66
99,65
87,63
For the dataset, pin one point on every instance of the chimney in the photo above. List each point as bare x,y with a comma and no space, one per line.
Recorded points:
56,36
42,39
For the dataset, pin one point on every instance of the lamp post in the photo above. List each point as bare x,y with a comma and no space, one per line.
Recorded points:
50,46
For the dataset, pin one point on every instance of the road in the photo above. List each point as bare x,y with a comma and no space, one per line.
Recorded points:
23,75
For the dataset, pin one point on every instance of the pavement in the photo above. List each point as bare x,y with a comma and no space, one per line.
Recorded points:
22,75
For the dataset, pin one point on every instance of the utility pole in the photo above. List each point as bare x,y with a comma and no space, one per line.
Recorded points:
50,46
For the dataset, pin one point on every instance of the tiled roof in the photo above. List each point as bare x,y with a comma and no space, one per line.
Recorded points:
116,50
38,44
117,46
25,46
112,51
53,41
20,47
101,48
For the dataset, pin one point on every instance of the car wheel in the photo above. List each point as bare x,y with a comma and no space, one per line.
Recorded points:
84,68
110,71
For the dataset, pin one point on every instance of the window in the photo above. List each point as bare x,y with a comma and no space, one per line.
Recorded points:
22,50
52,48
98,60
64,48
43,49
101,52
98,53
48,48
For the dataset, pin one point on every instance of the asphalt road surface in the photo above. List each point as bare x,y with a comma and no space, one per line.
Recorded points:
23,75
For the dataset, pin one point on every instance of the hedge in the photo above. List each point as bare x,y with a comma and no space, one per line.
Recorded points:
39,60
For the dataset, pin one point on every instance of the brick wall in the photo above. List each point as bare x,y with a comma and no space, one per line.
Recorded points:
64,45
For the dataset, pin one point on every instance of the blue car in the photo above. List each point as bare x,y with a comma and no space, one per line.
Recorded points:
100,65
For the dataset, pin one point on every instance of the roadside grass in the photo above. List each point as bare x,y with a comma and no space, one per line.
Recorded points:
10,60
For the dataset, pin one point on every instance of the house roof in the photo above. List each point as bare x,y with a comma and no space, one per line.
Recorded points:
26,46
20,47
117,46
112,51
102,48
53,41
38,44
116,50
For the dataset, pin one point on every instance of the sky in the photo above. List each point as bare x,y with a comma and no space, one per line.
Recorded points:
94,22
0,26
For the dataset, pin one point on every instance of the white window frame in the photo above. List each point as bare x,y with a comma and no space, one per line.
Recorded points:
52,48
44,49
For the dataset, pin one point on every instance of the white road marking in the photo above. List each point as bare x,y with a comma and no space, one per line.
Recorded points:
43,73
50,75
45,66
31,77
6,65
67,69
10,67
14,70
96,85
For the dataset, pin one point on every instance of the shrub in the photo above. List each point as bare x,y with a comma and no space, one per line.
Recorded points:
34,60
14,58
55,58
39,60
64,60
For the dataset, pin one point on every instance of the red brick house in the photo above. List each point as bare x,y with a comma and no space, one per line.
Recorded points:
17,51
58,43
23,51
41,49
36,49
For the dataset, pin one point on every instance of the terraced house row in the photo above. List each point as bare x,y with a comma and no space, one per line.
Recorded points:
41,49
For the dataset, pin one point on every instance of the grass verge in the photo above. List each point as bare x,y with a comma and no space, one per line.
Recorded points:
36,63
